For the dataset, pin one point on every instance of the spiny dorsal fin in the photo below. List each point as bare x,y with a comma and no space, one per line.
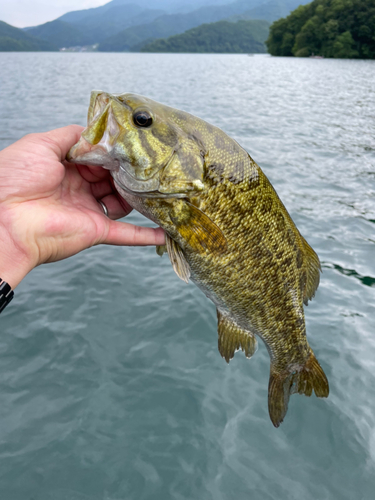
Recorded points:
311,266
179,263
196,228
232,338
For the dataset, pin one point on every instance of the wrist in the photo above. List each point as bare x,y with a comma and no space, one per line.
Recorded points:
14,263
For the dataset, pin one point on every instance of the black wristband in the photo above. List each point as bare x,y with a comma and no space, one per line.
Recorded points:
6,294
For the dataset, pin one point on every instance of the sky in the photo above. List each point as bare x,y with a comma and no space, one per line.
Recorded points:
22,13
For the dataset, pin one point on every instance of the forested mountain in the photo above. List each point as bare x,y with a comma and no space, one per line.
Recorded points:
155,20
127,25
172,24
136,37
178,6
95,13
14,39
330,28
59,33
93,25
220,37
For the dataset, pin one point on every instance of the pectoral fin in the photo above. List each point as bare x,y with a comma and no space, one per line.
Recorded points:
179,263
232,338
197,229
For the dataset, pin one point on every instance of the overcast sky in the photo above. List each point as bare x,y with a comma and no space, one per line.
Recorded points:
21,13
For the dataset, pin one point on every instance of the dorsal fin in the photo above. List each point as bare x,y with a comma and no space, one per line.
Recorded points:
232,338
311,266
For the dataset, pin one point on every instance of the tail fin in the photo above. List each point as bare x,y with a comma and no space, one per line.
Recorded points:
303,380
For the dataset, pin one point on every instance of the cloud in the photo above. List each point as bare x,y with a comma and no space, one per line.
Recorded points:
22,13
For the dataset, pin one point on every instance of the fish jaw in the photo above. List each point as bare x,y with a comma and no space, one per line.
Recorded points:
85,153
97,143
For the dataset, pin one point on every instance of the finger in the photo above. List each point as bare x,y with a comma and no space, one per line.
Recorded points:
93,174
101,189
62,139
125,205
122,233
114,207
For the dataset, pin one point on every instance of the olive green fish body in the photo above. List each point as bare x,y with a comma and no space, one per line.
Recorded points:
256,278
227,230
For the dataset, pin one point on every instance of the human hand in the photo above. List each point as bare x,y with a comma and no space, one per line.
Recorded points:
49,208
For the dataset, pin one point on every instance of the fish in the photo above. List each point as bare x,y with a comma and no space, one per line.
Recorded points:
226,230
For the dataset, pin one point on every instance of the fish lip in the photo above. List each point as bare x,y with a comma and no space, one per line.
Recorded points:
94,147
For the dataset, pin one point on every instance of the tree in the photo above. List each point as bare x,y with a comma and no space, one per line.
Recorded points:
344,46
308,40
331,28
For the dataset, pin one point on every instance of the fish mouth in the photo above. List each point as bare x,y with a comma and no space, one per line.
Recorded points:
97,155
96,144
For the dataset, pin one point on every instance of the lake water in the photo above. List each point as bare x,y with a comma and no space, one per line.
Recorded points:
111,385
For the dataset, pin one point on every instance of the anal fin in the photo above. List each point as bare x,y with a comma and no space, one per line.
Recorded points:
312,268
232,338
177,258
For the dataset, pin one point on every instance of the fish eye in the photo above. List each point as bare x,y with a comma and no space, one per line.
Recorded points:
142,119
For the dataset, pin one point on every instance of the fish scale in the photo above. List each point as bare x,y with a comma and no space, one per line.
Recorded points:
226,229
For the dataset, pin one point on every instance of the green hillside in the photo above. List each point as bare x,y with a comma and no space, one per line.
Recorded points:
135,37
94,27
59,33
220,37
128,25
14,39
85,16
330,28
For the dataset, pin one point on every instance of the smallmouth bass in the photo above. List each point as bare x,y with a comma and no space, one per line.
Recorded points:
226,229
